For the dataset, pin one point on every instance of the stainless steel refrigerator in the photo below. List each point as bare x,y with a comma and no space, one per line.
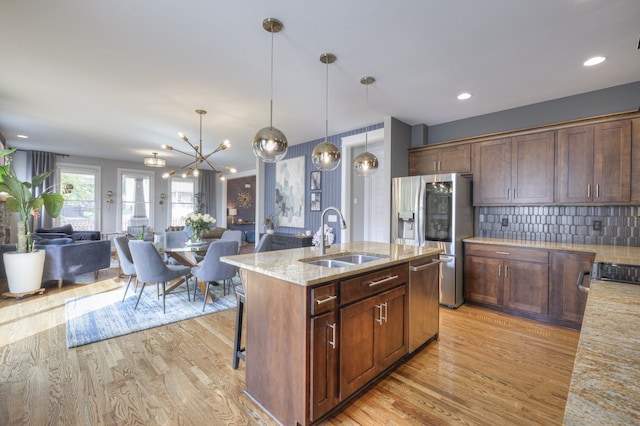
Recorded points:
435,211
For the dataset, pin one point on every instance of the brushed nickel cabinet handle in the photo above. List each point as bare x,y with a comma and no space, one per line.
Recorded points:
579,283
386,312
435,166
333,337
383,280
499,271
325,300
589,191
597,190
515,193
379,320
508,193
503,252
506,271
425,266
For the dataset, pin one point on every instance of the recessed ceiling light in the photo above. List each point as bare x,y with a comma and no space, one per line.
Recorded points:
464,96
594,61
23,136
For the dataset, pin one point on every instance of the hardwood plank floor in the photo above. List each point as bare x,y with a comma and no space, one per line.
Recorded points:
487,369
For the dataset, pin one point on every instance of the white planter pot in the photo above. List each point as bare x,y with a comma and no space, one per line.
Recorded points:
24,270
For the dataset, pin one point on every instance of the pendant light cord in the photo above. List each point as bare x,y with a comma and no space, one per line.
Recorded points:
326,122
366,119
271,96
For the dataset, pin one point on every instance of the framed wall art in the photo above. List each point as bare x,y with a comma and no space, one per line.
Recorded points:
290,193
316,180
315,203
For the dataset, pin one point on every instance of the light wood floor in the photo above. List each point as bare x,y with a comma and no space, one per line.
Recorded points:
487,369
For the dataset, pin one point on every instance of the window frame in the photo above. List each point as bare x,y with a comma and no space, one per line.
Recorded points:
96,171
135,172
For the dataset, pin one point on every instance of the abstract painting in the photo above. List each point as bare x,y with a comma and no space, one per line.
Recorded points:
290,197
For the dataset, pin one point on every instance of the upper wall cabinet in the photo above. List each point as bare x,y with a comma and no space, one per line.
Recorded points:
594,163
517,170
433,160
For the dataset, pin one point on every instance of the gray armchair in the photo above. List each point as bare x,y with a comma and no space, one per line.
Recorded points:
150,268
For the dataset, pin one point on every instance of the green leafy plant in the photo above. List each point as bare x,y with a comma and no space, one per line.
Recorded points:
22,202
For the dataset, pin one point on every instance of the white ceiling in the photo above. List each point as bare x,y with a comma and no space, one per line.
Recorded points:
117,79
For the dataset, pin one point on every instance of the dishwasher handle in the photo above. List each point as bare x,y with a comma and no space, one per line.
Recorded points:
425,266
579,283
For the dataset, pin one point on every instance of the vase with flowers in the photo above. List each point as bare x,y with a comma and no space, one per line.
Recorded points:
21,201
198,223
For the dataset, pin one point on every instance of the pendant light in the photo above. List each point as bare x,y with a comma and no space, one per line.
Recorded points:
270,144
326,156
366,163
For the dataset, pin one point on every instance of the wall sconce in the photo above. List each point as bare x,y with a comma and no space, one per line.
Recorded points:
67,189
163,197
109,199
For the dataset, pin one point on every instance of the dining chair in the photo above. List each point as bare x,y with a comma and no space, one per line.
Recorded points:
233,235
212,269
264,244
150,268
174,239
126,262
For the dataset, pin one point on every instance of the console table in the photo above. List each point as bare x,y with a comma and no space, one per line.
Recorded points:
287,241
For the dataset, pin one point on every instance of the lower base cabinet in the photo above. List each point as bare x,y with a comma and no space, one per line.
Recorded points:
374,336
536,283
513,278
566,301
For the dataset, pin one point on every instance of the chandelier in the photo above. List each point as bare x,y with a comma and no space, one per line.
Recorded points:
192,168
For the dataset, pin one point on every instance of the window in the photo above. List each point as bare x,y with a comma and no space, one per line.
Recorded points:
80,187
183,198
135,211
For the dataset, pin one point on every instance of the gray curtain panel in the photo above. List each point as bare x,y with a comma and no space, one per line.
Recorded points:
207,188
39,163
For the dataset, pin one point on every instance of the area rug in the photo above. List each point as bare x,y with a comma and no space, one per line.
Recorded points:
105,315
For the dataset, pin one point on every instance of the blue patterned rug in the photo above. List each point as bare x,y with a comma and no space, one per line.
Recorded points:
105,315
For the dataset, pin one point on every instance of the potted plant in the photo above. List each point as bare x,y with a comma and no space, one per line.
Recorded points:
269,224
22,263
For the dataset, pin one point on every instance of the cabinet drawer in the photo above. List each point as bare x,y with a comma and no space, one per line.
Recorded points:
370,284
323,299
507,253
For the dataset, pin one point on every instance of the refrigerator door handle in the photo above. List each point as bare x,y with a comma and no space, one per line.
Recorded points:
421,214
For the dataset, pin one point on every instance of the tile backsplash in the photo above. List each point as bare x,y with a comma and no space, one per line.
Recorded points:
620,225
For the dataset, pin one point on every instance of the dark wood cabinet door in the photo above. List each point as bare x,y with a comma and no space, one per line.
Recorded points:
612,162
533,168
423,162
575,164
324,364
526,286
357,350
492,172
393,332
566,302
482,280
455,159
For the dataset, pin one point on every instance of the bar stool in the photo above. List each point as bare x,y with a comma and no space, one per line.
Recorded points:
238,350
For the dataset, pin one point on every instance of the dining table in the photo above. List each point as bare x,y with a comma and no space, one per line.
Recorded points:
186,256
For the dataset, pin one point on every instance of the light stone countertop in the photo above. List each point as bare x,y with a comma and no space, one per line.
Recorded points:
285,264
604,254
605,385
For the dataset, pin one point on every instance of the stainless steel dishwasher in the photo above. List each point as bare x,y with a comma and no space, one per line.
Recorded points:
424,299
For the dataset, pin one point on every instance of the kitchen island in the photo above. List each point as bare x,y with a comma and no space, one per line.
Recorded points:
317,336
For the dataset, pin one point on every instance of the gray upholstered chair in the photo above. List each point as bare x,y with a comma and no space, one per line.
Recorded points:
212,269
174,239
126,262
150,268
233,235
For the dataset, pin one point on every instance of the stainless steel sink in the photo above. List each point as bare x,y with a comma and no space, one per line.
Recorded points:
329,263
357,258
341,260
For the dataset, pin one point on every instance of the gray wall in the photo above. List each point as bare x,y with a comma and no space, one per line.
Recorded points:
600,102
